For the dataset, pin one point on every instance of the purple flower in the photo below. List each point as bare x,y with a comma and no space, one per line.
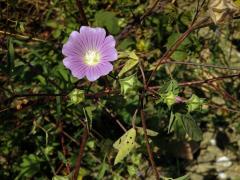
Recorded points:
89,52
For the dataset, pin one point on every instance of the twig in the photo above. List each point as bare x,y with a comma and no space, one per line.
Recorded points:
203,65
174,47
64,149
170,51
114,117
21,37
81,151
88,95
208,80
83,18
134,22
150,154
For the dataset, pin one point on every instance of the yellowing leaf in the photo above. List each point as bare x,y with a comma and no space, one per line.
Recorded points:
128,84
60,178
128,66
76,96
125,145
149,131
133,61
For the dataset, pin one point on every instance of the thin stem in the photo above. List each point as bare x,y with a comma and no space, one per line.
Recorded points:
170,51
83,18
208,80
21,37
203,65
81,151
150,154
135,22
64,149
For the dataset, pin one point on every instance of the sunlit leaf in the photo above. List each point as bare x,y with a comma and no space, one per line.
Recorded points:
185,177
170,86
60,178
128,83
76,96
179,55
132,62
149,131
194,103
125,145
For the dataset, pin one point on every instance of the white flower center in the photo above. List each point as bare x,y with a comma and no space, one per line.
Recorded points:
92,57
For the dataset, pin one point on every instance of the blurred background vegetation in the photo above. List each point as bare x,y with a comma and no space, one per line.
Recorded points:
41,121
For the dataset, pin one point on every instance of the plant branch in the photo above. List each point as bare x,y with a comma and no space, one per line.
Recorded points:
169,52
208,80
149,150
134,22
81,151
201,64
150,153
83,18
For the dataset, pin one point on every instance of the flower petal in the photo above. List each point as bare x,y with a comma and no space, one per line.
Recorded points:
108,50
93,38
77,68
109,54
105,68
109,41
73,47
80,43
92,74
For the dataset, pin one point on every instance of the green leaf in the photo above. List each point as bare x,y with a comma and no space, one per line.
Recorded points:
194,103
179,55
185,124
88,115
29,166
173,38
59,105
149,131
178,126
76,96
171,121
63,72
170,86
168,92
125,43
104,167
127,84
185,177
169,98
191,127
132,62
108,20
60,178
41,79
132,170
10,54
125,145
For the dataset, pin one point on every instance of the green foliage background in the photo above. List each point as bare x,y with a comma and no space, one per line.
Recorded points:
43,108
